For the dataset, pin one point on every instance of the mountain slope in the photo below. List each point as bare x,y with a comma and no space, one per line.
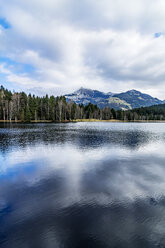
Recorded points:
86,96
126,100
137,99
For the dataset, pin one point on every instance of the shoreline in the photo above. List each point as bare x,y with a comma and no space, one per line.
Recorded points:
82,120
114,120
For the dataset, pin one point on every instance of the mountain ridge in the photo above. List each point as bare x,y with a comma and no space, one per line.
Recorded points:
125,100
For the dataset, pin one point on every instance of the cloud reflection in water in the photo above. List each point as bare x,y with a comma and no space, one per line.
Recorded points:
75,193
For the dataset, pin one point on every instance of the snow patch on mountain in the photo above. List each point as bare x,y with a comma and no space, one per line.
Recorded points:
126,100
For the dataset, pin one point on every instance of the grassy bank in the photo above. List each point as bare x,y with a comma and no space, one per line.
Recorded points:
83,120
95,120
114,120
7,121
32,121
49,121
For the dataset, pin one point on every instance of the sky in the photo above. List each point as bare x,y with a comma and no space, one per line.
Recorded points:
58,46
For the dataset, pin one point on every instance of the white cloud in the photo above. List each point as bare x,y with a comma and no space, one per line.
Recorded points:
105,45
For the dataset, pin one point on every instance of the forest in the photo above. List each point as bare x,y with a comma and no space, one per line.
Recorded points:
26,108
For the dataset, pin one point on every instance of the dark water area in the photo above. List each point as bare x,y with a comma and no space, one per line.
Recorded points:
79,185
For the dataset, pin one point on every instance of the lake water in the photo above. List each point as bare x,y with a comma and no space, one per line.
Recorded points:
81,185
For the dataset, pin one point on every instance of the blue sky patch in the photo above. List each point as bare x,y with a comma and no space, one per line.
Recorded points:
16,66
157,35
4,23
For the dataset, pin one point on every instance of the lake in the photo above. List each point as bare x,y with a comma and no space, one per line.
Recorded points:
81,185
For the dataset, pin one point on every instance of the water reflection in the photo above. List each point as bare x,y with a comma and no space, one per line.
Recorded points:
82,185
82,135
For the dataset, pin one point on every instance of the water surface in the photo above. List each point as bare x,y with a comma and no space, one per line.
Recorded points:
79,185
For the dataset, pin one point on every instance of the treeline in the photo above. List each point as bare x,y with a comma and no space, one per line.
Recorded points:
156,112
26,108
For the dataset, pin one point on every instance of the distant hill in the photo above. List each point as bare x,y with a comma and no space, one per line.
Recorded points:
126,100
156,112
154,109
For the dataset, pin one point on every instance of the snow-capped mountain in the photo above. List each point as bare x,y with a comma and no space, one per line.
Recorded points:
126,100
86,96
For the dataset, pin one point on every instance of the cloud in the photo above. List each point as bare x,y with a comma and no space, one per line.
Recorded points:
101,45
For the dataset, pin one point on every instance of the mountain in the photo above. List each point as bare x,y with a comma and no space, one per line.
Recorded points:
86,96
137,99
126,100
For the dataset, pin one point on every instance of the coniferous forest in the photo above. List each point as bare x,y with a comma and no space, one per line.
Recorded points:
27,108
